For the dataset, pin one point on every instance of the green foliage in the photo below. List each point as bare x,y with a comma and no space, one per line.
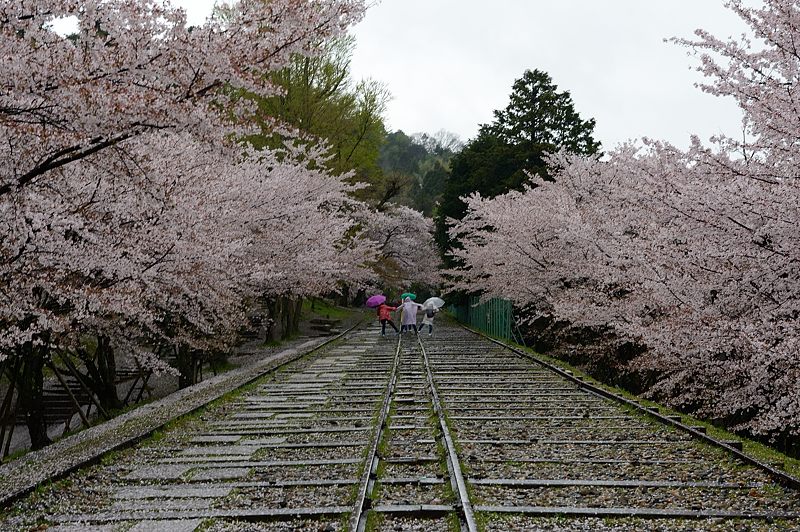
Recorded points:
321,100
401,154
320,307
538,121
375,521
416,168
431,188
541,120
400,161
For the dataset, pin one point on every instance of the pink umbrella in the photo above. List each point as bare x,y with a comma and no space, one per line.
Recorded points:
376,300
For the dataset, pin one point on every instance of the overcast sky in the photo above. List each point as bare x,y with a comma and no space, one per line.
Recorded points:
450,63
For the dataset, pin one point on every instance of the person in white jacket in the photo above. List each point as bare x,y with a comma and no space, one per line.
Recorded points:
409,315
427,318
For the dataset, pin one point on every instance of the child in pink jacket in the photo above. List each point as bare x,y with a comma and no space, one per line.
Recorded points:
384,315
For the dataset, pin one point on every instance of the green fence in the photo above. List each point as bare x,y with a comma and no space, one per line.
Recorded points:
492,317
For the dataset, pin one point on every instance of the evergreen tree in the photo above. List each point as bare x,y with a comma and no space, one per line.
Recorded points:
430,189
538,121
400,153
416,167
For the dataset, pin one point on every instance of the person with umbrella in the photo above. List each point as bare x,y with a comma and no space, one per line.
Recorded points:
427,319
431,307
385,317
409,314
384,312
403,297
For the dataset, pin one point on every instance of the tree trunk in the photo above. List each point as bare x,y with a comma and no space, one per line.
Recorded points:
285,317
298,312
360,298
344,298
31,397
292,320
186,366
103,373
275,309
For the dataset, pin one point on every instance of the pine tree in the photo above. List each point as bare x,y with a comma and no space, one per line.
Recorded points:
538,121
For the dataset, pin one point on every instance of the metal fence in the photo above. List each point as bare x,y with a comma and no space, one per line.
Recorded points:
492,317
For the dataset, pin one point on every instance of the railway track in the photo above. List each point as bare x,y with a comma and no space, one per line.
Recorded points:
452,432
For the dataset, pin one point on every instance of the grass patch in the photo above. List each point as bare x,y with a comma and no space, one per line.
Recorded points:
320,308
374,521
482,519
16,454
447,488
454,523
205,525
111,456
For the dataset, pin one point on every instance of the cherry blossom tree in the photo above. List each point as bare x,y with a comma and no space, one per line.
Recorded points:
660,248
404,246
693,254
760,72
126,207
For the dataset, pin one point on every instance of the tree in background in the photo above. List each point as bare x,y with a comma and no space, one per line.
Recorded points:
400,160
325,109
538,121
691,253
318,98
427,194
127,211
406,252
415,167
401,153
442,143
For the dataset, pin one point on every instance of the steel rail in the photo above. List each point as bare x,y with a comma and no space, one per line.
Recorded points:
781,476
363,501
643,513
463,504
402,383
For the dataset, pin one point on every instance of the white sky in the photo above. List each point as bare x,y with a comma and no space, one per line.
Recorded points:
450,63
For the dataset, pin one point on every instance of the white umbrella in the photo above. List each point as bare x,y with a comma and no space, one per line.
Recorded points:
434,302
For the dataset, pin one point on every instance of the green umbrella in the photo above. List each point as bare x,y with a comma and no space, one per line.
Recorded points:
408,295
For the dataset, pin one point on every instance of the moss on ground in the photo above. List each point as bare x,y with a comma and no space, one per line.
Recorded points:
319,308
